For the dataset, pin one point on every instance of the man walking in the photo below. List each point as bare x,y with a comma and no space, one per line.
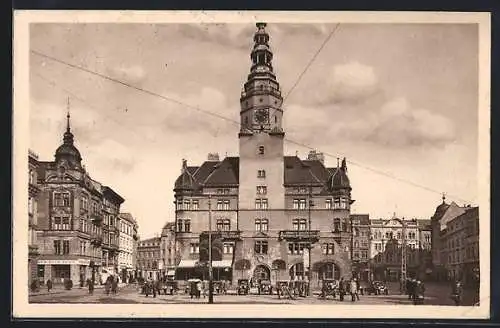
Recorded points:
353,289
342,289
49,285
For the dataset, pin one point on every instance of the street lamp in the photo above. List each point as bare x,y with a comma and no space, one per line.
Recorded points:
309,271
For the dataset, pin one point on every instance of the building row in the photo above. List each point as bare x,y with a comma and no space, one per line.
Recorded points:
76,229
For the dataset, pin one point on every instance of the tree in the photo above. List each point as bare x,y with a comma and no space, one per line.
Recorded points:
217,247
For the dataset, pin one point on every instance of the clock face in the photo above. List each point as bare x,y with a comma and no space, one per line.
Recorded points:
262,116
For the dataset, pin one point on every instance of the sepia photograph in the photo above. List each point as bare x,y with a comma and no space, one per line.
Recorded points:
236,164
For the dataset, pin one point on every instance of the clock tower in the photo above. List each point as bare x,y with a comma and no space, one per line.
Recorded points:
261,133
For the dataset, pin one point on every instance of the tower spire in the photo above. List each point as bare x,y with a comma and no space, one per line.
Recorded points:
68,128
68,136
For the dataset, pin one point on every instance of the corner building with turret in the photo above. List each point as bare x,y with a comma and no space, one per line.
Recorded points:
280,217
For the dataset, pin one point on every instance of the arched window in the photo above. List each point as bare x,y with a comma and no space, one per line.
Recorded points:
275,119
261,273
329,271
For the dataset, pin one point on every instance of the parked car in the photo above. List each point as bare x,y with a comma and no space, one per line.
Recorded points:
377,288
243,286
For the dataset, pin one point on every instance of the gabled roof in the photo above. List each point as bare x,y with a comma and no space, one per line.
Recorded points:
226,173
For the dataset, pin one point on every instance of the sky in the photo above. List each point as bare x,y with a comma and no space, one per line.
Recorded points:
401,99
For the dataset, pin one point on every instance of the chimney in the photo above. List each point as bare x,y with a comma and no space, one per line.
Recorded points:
213,157
316,156
184,165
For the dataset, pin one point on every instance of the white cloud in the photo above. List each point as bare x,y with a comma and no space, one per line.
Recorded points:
352,82
397,124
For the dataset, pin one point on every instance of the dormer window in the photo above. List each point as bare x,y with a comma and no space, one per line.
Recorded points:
261,150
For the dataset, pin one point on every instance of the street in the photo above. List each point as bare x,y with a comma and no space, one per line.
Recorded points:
435,295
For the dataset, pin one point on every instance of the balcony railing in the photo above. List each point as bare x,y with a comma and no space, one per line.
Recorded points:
96,240
306,235
33,250
96,217
227,234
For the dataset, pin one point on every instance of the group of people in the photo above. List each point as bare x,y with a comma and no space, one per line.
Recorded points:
415,289
343,287
154,287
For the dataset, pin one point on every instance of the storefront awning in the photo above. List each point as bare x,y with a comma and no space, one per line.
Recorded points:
222,264
171,273
187,264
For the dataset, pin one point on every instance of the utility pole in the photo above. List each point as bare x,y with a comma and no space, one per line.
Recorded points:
352,245
403,257
309,271
210,273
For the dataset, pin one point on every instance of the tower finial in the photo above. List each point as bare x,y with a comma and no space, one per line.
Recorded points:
444,197
68,128
338,162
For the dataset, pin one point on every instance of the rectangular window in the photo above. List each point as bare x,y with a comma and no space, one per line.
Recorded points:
328,248
66,200
261,150
336,225
261,190
186,205
187,226
261,247
220,205
196,205
65,224
58,201
261,204
195,248
261,173
328,204
297,248
228,248
56,223
57,247
261,225
226,205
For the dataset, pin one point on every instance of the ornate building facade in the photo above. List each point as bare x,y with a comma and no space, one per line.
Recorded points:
280,217
455,242
127,246
149,258
168,250
71,210
389,238
33,190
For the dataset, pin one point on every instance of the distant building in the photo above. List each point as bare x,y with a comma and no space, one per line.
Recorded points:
455,248
149,258
71,210
455,242
361,245
387,247
127,246
168,254
33,190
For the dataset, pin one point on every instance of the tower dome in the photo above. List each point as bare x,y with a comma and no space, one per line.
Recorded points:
68,150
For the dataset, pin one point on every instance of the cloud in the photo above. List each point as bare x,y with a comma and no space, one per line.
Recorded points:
397,124
208,100
352,82
133,74
112,155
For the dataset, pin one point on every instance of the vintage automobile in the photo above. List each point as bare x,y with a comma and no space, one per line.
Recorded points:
170,287
330,287
377,288
266,287
243,286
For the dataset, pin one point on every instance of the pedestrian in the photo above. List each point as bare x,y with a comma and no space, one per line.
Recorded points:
456,293
108,284
90,285
408,287
353,289
114,285
147,287
342,289
49,285
418,297
199,290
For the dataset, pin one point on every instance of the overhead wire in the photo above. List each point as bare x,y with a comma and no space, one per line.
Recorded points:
237,123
